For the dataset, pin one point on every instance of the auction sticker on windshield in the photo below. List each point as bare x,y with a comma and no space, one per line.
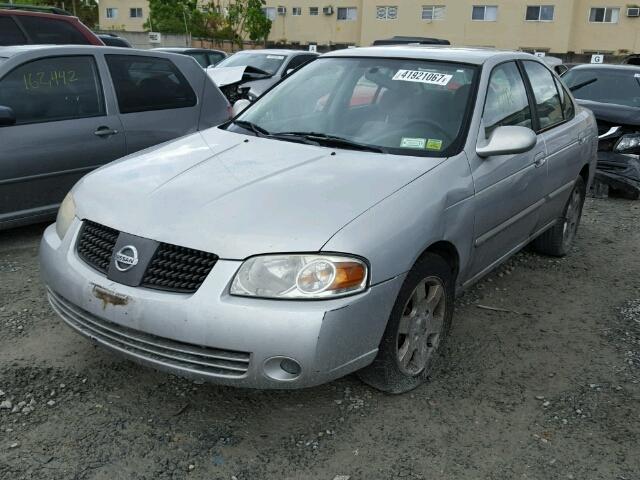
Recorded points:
413,142
422,77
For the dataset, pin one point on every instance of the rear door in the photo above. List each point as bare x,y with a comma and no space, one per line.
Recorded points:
63,130
155,100
562,135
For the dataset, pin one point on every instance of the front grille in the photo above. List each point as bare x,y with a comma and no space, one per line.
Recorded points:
172,268
160,351
95,245
178,269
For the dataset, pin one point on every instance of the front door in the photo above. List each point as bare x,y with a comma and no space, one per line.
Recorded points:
62,131
509,188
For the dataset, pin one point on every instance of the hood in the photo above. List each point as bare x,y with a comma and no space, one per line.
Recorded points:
223,76
237,195
613,113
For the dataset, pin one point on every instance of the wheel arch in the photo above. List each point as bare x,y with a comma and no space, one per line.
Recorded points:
448,252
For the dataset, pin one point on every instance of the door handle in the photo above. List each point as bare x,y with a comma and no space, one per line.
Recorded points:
539,160
105,131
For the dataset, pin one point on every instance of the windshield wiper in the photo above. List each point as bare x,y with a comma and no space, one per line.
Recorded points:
257,129
583,84
329,141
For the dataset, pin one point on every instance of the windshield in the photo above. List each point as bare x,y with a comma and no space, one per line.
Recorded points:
621,87
407,107
267,62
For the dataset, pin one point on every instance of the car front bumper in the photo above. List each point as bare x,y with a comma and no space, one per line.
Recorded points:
211,335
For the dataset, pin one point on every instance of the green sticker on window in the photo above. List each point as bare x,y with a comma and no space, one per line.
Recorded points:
434,144
407,142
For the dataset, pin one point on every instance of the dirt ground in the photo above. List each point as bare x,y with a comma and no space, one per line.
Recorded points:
546,389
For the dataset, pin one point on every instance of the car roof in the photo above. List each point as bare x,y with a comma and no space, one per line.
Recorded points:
31,13
473,55
16,50
592,66
276,51
185,49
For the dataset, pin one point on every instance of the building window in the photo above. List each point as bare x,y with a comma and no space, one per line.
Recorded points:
433,12
347,13
604,15
484,13
270,13
112,12
313,11
135,12
296,11
540,13
386,13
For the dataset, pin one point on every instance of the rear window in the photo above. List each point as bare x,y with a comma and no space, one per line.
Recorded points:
51,31
148,83
10,33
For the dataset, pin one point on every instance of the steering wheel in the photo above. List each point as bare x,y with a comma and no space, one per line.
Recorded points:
431,124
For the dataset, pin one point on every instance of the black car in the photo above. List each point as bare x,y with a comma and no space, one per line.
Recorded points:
612,92
204,56
113,40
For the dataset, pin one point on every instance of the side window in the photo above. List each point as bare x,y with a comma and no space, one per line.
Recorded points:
297,61
51,31
201,58
215,58
506,103
568,110
145,83
548,103
10,33
55,88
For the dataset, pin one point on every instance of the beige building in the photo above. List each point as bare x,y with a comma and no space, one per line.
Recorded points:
557,26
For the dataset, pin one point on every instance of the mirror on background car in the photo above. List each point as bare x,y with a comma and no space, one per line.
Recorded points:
239,106
508,140
7,116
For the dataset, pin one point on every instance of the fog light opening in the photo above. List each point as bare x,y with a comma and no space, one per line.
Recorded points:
283,369
290,366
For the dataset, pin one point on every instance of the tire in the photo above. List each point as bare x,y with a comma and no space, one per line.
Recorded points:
416,330
558,239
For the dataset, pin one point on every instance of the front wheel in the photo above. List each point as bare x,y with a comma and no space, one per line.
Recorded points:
558,239
416,330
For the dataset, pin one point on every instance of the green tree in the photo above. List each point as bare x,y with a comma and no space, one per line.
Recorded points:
182,16
247,18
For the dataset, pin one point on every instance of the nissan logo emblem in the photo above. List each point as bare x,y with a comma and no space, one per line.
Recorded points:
126,258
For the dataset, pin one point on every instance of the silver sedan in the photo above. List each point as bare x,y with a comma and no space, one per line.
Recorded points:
329,226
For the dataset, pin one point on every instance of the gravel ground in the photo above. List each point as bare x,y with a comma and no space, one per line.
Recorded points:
545,388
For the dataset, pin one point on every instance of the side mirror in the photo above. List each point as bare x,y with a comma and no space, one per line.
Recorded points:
239,106
507,141
7,116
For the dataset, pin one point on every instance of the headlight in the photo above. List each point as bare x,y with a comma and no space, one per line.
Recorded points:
628,143
66,213
300,276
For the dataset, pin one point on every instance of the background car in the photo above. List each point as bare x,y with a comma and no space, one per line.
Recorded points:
612,93
113,40
66,110
204,56
249,73
24,27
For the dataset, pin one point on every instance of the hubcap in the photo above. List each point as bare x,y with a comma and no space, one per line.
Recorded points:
572,218
421,326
